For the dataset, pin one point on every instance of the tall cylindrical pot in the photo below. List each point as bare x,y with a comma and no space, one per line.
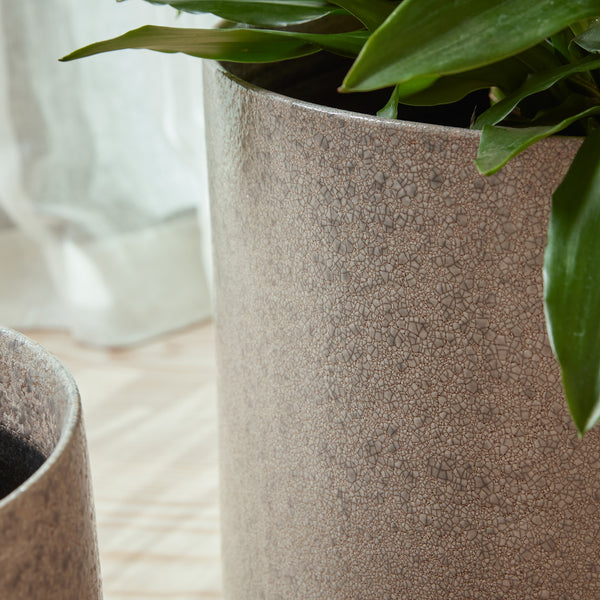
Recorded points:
392,420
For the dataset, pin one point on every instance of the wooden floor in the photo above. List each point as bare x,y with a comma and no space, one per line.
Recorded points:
150,418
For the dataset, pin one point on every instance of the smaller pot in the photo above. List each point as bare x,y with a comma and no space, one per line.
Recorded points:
47,525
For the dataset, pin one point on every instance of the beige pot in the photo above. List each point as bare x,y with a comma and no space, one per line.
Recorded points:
48,547
392,420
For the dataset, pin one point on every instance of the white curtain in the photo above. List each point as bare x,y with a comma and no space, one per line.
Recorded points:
103,204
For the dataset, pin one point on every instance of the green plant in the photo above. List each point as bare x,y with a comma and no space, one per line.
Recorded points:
540,60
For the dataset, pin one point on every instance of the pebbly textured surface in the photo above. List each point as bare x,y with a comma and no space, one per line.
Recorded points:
392,421
47,525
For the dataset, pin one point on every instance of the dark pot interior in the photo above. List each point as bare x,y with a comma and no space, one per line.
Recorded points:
18,461
316,78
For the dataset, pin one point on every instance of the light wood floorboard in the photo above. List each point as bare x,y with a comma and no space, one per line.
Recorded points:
150,415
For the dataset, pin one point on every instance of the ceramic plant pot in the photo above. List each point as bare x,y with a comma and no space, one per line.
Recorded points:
392,420
47,526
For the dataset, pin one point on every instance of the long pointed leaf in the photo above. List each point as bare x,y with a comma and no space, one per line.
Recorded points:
572,284
264,13
499,144
590,39
371,13
505,75
423,38
390,110
238,45
535,84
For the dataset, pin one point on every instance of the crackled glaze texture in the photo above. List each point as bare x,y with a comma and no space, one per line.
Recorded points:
48,547
392,422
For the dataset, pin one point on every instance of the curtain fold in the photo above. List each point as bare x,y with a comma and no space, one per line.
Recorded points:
103,227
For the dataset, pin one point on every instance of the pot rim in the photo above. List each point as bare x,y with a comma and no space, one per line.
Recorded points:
72,416
448,130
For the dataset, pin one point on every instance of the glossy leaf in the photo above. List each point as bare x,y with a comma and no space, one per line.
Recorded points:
590,39
238,45
409,89
425,38
371,13
561,42
432,92
390,110
265,13
499,144
540,58
535,84
572,285
506,75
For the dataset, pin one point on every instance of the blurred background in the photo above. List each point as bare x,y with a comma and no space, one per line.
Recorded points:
103,202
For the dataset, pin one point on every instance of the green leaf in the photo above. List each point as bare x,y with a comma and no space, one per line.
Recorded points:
572,105
505,75
541,57
237,45
499,144
371,13
538,82
572,285
409,89
561,42
264,13
590,39
390,110
425,38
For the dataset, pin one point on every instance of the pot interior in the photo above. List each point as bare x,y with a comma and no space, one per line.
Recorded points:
19,460
315,79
